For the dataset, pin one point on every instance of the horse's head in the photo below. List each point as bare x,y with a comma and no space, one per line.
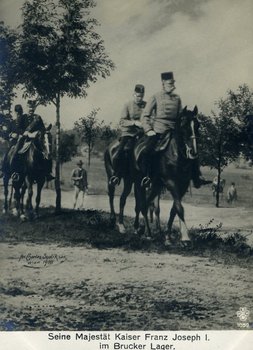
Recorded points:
188,131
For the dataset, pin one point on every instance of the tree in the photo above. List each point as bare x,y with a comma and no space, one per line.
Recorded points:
240,105
60,55
89,128
68,147
8,58
223,136
219,142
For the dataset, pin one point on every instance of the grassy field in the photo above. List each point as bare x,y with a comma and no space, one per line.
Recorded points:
243,179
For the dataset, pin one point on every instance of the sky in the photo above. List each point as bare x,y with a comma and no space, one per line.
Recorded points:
208,44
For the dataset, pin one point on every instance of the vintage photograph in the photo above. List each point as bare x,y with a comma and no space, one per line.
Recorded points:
126,143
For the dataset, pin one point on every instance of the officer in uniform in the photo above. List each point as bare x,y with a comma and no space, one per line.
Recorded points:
165,107
27,124
130,125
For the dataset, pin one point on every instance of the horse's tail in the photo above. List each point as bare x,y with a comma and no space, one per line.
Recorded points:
108,163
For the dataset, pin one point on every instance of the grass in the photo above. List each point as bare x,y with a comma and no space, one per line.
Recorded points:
94,228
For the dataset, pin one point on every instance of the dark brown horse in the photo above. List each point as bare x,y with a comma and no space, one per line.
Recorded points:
175,175
26,168
128,174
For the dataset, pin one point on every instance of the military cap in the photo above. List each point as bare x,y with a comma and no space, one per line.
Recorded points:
167,76
139,88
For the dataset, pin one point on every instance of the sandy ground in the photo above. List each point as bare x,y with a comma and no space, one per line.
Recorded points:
76,287
89,289
231,217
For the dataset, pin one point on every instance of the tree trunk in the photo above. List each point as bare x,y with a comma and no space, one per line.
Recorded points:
57,163
218,184
89,154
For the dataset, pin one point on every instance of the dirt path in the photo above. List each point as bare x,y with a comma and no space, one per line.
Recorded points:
195,215
91,289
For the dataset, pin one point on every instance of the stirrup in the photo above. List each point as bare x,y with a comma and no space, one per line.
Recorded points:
114,180
146,182
15,177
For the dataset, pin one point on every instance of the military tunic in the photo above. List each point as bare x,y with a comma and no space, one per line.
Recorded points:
130,114
165,109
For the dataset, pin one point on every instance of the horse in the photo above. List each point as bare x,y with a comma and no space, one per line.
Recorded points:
32,162
128,173
173,174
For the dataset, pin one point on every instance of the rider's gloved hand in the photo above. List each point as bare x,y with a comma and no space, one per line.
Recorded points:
151,133
138,123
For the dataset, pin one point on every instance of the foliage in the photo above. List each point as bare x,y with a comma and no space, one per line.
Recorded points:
222,134
89,128
8,58
60,54
68,147
60,48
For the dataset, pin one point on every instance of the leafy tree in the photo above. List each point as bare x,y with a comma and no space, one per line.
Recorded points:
219,142
68,147
8,58
240,105
60,55
89,129
223,136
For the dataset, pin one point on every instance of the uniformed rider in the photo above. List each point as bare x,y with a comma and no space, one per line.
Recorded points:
159,117
26,125
130,125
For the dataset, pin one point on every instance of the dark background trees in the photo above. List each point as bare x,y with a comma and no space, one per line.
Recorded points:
8,60
94,133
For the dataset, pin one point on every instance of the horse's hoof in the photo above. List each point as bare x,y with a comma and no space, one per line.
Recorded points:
167,242
148,238
23,217
185,244
121,228
140,230
173,237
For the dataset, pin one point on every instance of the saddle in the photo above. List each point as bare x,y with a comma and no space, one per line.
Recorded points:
31,136
166,142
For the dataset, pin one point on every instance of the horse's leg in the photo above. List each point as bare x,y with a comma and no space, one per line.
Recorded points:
168,236
40,185
6,192
22,196
157,212
137,209
17,196
141,200
29,207
111,191
179,209
126,190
